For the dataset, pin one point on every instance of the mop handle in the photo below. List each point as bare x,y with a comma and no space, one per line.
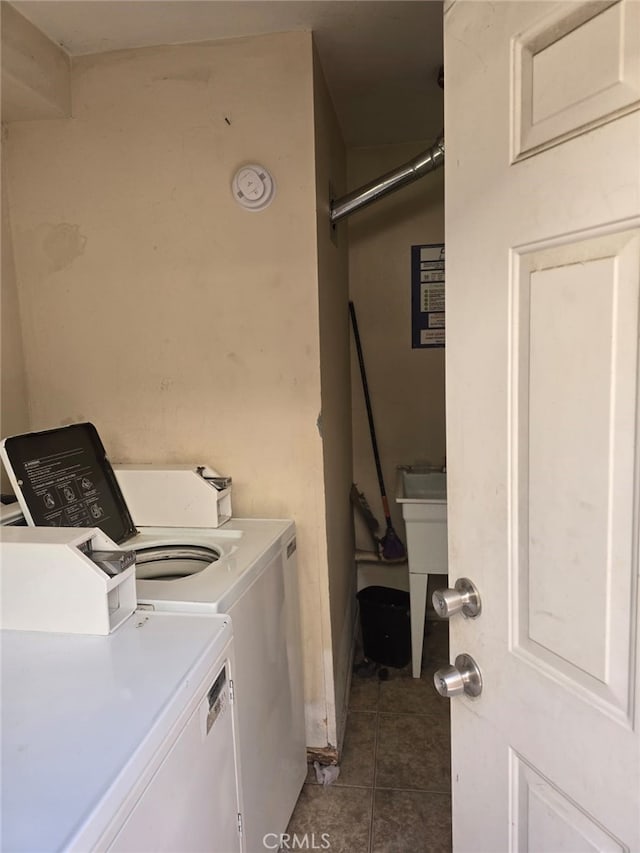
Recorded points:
367,400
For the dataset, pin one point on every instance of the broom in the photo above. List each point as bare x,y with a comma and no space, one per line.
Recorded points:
392,547
361,505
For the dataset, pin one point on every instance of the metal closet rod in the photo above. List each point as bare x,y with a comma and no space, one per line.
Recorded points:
423,164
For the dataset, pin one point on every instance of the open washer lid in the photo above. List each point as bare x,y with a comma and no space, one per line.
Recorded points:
63,478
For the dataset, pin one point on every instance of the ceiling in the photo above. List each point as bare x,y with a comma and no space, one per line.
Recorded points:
380,57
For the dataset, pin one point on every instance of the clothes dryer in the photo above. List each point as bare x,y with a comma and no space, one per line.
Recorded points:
125,742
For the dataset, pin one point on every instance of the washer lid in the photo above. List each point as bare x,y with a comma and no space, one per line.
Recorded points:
63,478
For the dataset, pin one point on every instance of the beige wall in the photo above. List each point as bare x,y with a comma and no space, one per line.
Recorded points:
35,71
406,385
335,424
35,84
14,414
185,327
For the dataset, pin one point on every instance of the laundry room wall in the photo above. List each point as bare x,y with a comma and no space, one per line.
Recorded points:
36,79
184,327
14,414
406,385
335,418
35,84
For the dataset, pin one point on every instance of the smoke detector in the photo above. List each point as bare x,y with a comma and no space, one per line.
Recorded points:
253,187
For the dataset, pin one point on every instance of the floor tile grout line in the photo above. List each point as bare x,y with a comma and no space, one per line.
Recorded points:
414,790
373,783
428,714
400,789
372,801
361,711
352,786
375,760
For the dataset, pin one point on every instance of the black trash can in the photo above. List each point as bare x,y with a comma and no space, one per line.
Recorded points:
386,625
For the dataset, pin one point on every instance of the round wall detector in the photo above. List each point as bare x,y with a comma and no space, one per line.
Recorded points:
253,187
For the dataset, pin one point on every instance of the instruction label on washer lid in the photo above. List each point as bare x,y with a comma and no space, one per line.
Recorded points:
427,295
63,475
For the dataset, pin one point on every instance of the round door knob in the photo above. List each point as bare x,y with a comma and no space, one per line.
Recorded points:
448,682
463,597
464,677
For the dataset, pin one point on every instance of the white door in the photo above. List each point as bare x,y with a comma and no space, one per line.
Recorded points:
542,137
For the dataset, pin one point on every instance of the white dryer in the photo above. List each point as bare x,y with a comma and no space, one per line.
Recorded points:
122,743
246,568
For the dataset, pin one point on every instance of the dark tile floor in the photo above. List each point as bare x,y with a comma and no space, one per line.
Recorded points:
393,792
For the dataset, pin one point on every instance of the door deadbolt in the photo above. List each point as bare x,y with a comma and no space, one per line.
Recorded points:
464,677
463,597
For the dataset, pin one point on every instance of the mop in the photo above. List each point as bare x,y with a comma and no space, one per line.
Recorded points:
392,547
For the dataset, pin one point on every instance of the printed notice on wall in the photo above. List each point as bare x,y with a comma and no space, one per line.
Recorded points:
427,296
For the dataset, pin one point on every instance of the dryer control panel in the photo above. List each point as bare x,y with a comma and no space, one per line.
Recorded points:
65,579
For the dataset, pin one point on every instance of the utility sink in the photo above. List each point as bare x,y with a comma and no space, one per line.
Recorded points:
415,483
422,492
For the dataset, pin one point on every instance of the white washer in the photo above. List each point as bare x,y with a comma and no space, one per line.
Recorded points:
256,584
123,742
246,568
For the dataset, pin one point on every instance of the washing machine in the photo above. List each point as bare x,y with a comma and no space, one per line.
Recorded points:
122,743
245,568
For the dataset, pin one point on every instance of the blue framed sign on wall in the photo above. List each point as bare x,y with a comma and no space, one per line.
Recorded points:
427,296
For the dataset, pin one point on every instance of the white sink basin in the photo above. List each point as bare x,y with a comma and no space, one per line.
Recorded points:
414,484
422,492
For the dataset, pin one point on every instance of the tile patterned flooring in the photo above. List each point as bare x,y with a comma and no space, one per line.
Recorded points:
393,792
